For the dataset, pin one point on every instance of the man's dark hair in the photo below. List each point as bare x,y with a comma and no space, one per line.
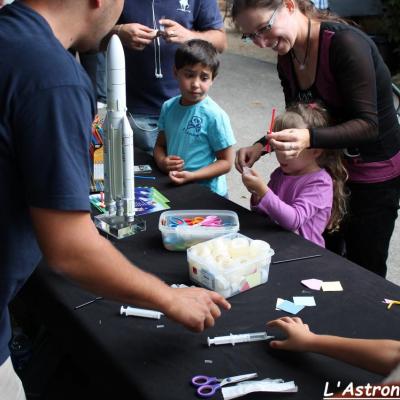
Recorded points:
197,51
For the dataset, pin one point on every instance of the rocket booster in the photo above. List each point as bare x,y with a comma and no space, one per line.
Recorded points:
119,185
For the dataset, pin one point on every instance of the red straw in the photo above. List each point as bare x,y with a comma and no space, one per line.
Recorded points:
271,126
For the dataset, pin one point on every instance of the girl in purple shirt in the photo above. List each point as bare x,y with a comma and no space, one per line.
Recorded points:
305,194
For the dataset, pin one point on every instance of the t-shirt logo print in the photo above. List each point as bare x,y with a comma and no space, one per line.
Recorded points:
194,126
184,6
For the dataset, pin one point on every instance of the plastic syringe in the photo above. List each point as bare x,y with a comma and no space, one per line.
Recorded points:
241,338
140,312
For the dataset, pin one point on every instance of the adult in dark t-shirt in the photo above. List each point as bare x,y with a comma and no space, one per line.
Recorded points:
320,58
46,110
150,61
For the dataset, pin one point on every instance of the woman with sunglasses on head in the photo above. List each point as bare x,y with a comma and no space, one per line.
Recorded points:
321,57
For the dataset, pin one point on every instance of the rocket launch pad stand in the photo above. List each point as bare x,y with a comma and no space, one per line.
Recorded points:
118,226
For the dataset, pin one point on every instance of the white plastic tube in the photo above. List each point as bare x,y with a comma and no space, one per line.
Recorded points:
140,312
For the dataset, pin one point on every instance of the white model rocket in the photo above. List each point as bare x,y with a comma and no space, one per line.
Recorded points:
119,183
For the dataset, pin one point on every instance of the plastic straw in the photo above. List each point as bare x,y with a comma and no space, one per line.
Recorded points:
271,126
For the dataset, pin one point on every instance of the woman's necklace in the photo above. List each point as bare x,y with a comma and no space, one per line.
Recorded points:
302,64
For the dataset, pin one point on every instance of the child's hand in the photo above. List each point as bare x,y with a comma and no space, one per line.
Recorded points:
172,163
180,177
299,336
254,182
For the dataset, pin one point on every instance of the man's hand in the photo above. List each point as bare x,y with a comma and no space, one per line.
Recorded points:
135,36
174,32
180,177
195,308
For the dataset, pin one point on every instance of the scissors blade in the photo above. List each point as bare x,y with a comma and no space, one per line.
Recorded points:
238,378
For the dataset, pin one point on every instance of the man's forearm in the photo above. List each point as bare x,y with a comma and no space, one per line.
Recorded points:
100,268
72,246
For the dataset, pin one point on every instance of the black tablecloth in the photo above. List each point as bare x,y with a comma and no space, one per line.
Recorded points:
133,356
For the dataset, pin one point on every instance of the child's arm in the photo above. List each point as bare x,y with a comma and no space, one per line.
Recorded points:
164,162
376,355
312,198
221,166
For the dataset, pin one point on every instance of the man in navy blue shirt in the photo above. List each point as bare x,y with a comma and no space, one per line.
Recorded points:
150,58
46,109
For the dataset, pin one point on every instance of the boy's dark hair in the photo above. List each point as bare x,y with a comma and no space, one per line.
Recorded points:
197,51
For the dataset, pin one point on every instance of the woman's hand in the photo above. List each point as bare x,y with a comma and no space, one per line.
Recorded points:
247,156
299,336
290,142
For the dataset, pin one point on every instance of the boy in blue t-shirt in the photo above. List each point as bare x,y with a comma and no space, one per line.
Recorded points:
196,138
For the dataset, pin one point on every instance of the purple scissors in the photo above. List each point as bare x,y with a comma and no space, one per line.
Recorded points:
208,385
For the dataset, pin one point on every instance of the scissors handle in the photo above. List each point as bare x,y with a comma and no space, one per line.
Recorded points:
208,390
201,380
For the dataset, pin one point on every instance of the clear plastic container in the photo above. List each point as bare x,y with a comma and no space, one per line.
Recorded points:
178,235
230,264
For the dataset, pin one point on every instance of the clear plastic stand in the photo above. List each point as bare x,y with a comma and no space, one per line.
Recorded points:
119,226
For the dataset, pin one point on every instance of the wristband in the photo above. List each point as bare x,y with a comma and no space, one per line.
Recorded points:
263,141
312,138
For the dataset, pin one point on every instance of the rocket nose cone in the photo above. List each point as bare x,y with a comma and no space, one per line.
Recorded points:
115,53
